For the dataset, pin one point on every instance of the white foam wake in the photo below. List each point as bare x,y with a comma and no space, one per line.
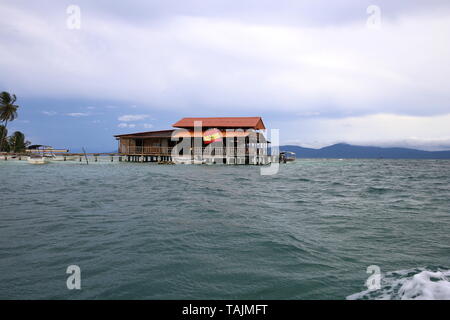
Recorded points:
419,284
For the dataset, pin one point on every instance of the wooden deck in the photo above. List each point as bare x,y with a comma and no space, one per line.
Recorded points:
149,151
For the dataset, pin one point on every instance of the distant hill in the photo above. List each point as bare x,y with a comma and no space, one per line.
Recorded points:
347,151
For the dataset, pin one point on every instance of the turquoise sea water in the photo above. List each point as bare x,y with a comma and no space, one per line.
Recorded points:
147,231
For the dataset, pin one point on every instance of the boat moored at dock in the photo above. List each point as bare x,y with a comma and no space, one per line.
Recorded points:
40,154
38,159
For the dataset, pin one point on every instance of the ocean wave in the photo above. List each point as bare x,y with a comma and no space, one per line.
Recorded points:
377,190
411,284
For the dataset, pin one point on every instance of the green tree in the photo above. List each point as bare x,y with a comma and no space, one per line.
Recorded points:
8,112
3,135
17,142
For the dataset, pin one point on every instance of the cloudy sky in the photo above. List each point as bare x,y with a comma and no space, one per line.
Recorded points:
362,72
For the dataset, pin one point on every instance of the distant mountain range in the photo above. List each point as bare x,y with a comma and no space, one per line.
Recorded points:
347,151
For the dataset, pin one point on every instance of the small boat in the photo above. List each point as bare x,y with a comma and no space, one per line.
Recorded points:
287,156
40,154
37,159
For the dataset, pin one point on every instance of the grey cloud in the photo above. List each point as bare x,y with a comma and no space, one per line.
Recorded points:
293,12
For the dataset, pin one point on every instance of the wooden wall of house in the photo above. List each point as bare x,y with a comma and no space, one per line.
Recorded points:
124,143
156,142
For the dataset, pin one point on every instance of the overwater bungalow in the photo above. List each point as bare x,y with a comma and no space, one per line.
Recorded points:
229,140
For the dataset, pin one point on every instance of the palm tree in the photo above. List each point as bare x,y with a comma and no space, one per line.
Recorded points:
17,142
8,111
3,135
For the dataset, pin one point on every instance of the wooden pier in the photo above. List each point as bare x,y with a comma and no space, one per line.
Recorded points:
153,157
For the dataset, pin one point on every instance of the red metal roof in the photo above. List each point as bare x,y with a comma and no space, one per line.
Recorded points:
219,122
222,122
